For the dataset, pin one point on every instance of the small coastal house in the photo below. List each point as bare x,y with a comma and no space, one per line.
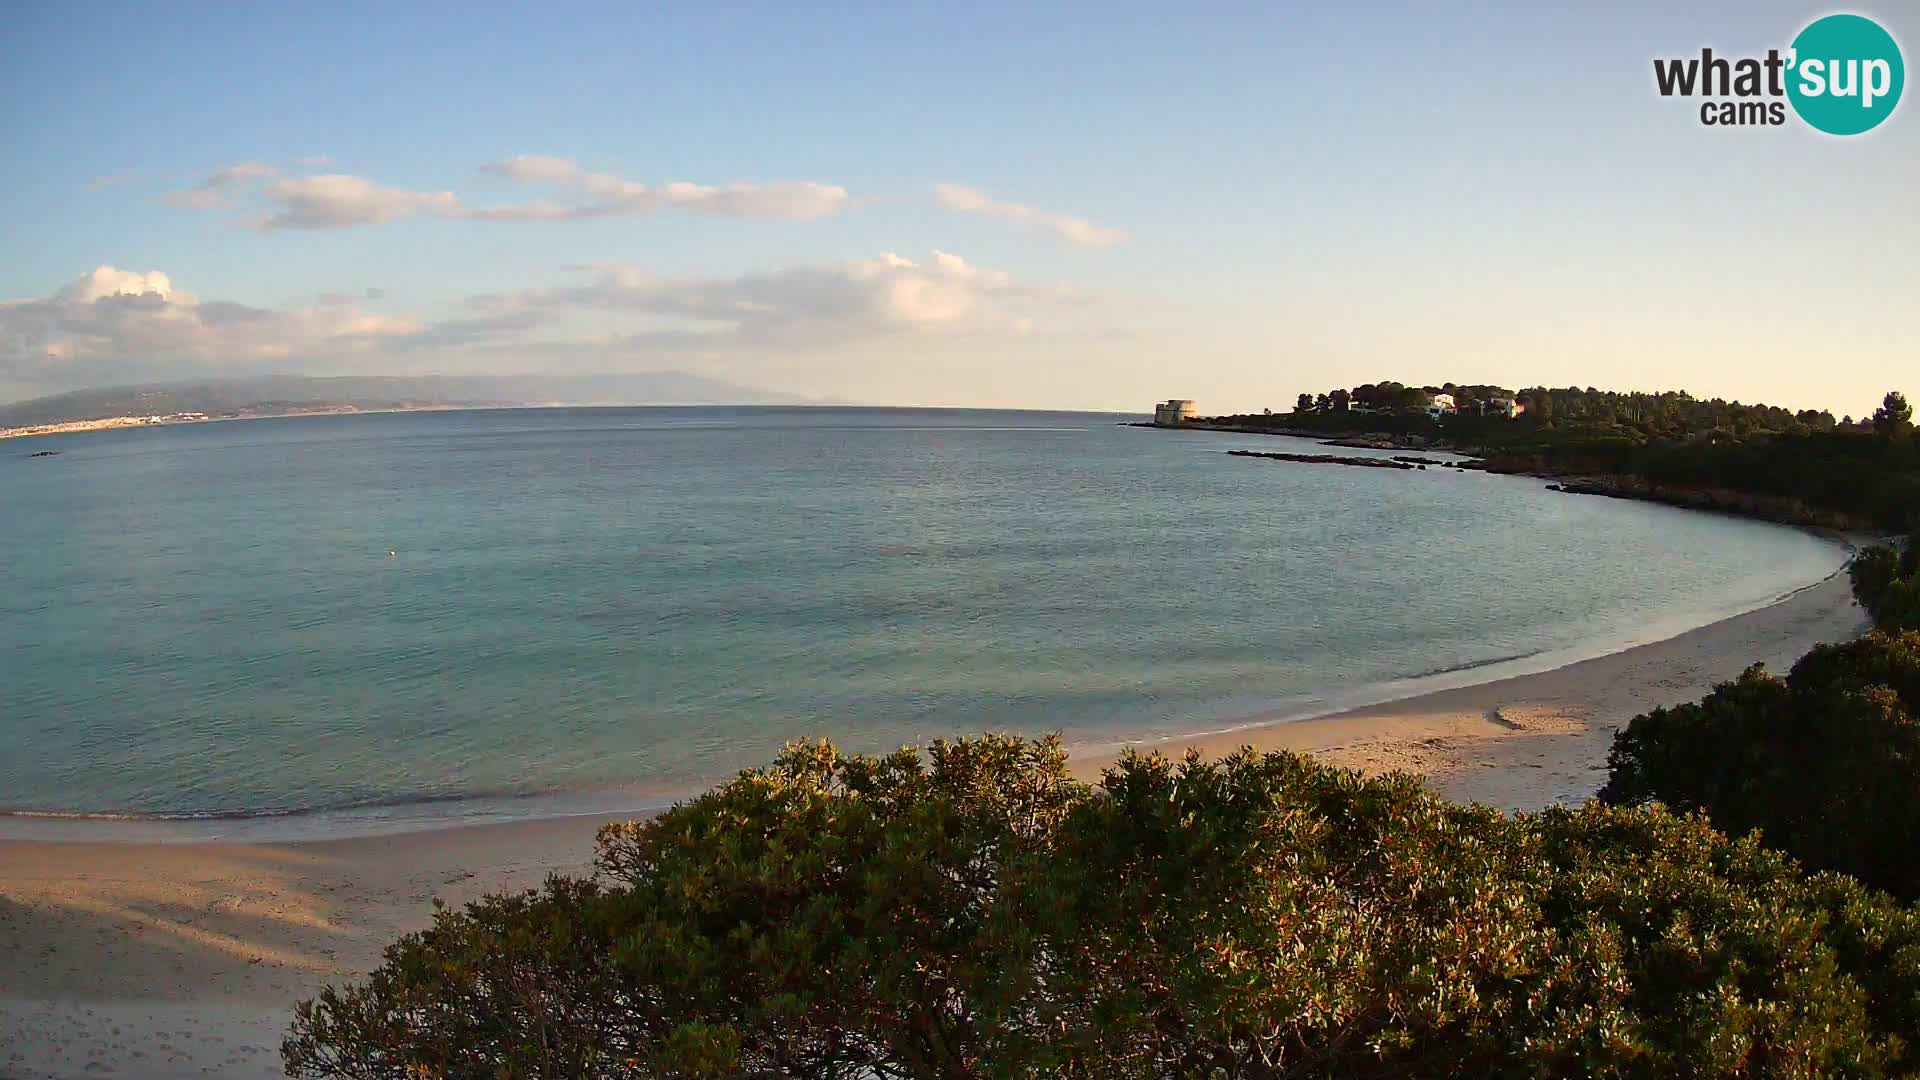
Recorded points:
1173,412
1440,405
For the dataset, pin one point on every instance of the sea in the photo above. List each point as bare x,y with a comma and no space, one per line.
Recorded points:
334,625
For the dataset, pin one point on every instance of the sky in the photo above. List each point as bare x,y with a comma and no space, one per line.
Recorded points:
1010,205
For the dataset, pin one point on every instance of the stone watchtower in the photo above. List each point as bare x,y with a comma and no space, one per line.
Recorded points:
1172,412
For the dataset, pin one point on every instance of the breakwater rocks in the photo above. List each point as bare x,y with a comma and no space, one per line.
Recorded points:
1376,442
1329,459
1402,443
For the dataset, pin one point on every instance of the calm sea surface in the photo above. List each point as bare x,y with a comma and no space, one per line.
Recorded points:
602,608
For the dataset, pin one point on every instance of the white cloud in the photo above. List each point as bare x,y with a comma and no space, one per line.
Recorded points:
610,195
116,316
525,167
332,201
112,325
968,200
245,170
805,305
214,190
499,328
108,281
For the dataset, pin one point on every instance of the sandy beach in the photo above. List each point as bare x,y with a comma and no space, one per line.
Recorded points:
183,959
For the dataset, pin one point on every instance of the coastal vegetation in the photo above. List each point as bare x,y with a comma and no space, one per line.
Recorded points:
975,911
1886,582
1824,763
1801,466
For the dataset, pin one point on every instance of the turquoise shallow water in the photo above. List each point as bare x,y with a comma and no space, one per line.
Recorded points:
602,607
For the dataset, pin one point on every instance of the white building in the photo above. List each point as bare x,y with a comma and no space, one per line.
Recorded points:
1173,412
1441,405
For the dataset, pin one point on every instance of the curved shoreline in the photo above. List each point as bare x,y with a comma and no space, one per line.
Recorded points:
1527,741
399,816
164,959
1400,692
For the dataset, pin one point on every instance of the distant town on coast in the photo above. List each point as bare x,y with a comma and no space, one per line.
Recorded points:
285,395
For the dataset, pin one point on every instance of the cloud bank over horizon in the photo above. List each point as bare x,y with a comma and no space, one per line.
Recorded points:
112,325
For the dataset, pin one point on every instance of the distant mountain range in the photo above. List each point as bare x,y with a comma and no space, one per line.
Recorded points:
289,393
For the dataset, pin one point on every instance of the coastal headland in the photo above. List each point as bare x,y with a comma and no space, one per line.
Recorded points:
1783,509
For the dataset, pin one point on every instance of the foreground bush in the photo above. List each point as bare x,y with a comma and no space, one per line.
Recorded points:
1825,763
976,913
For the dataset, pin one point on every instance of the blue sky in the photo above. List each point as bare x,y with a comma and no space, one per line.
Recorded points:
1235,204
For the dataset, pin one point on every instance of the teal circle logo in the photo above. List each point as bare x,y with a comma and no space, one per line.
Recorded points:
1845,75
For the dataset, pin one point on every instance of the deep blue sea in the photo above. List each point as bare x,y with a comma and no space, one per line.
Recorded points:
351,622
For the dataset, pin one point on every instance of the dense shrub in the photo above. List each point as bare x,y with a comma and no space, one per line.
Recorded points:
975,912
1825,763
1886,581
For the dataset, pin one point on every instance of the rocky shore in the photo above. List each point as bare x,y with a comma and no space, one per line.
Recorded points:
1783,510
1786,511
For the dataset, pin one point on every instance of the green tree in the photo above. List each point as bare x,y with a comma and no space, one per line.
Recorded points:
974,912
1304,403
1539,404
1894,417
